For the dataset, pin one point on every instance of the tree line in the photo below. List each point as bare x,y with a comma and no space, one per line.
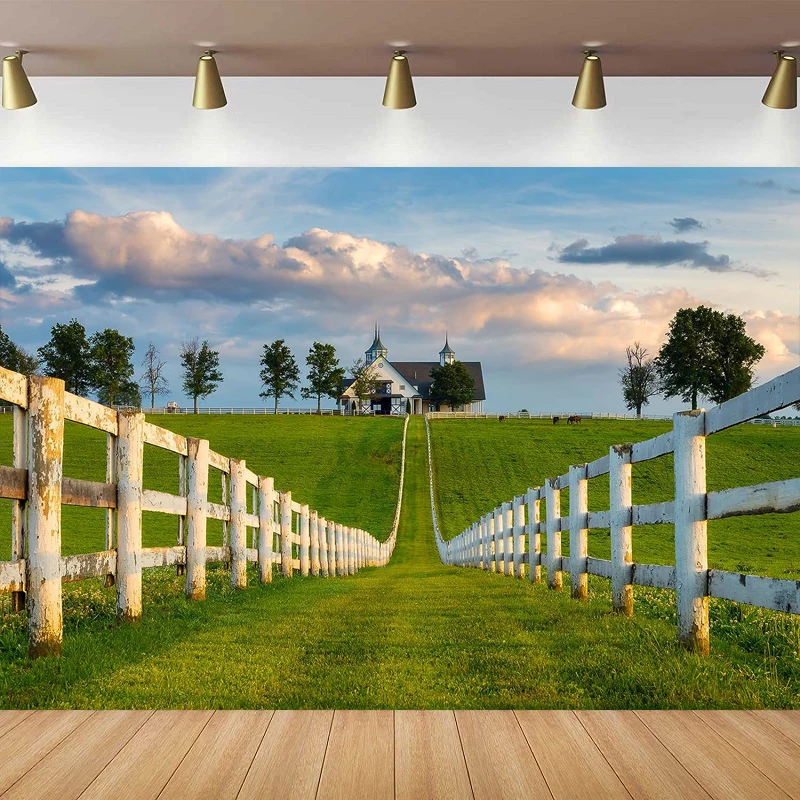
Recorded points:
706,353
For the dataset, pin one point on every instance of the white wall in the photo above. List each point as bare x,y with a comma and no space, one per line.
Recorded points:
340,122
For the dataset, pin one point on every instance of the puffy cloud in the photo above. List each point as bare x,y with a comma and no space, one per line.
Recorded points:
142,264
683,224
650,251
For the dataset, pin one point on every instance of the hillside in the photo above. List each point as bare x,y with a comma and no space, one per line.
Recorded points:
480,463
347,468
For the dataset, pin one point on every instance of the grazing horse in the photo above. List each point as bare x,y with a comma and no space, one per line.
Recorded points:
502,418
573,420
556,420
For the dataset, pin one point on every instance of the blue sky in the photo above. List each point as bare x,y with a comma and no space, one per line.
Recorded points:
542,274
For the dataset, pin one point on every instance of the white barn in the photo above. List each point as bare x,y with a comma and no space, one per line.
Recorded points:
407,384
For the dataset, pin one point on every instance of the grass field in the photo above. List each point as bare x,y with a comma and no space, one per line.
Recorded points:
415,634
347,468
480,463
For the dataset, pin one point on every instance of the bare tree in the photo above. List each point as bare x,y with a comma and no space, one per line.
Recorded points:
153,381
639,379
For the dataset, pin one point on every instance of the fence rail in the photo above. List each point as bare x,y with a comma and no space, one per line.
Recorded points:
283,531
507,539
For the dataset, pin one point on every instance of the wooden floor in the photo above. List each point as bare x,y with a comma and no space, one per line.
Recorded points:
412,755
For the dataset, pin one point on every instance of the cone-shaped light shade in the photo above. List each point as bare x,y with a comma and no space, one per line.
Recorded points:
399,92
782,89
17,92
590,92
208,91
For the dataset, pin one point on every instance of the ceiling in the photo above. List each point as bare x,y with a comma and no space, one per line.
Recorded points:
356,37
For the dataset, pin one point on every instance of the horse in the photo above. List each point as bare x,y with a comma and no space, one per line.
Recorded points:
556,420
502,418
573,420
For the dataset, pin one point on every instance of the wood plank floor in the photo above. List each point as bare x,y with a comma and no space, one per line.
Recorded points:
408,755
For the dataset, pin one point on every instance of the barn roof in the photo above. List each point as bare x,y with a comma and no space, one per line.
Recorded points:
418,373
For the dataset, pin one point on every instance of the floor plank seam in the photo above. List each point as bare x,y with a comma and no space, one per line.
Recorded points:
733,747
45,755
694,777
325,756
536,760
188,749
605,758
255,754
765,716
15,725
463,755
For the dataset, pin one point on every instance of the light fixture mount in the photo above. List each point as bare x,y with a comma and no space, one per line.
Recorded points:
208,89
590,91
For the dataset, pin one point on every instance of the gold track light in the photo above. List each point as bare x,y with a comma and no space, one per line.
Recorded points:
399,92
590,91
208,91
782,89
17,92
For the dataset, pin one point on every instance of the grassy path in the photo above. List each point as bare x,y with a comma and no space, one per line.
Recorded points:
414,634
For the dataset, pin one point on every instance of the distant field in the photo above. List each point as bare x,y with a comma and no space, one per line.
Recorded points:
480,463
348,468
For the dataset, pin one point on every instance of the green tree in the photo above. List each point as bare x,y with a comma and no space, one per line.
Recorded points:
201,373
735,357
13,357
112,369
68,356
700,356
365,381
452,385
152,379
639,379
324,374
280,375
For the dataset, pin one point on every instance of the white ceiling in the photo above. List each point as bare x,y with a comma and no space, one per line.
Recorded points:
355,37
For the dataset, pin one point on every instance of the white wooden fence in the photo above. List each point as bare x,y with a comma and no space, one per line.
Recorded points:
507,539
284,531
564,415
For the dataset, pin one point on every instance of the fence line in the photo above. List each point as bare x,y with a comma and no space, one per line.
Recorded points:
564,415
307,542
509,536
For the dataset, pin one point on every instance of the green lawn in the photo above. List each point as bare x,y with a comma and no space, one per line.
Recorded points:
347,468
415,634
480,463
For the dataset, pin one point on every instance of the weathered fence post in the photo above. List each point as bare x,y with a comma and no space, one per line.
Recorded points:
508,537
485,545
286,534
491,543
553,510
111,513
341,567
578,532
130,462
351,550
45,458
498,539
305,539
333,553
322,535
20,461
266,528
238,527
691,534
519,536
196,519
180,569
620,503
534,537
313,526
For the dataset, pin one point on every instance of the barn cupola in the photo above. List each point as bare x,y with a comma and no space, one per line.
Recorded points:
446,355
376,350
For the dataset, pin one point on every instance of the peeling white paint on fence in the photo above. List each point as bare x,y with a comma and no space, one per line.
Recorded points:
37,488
486,544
